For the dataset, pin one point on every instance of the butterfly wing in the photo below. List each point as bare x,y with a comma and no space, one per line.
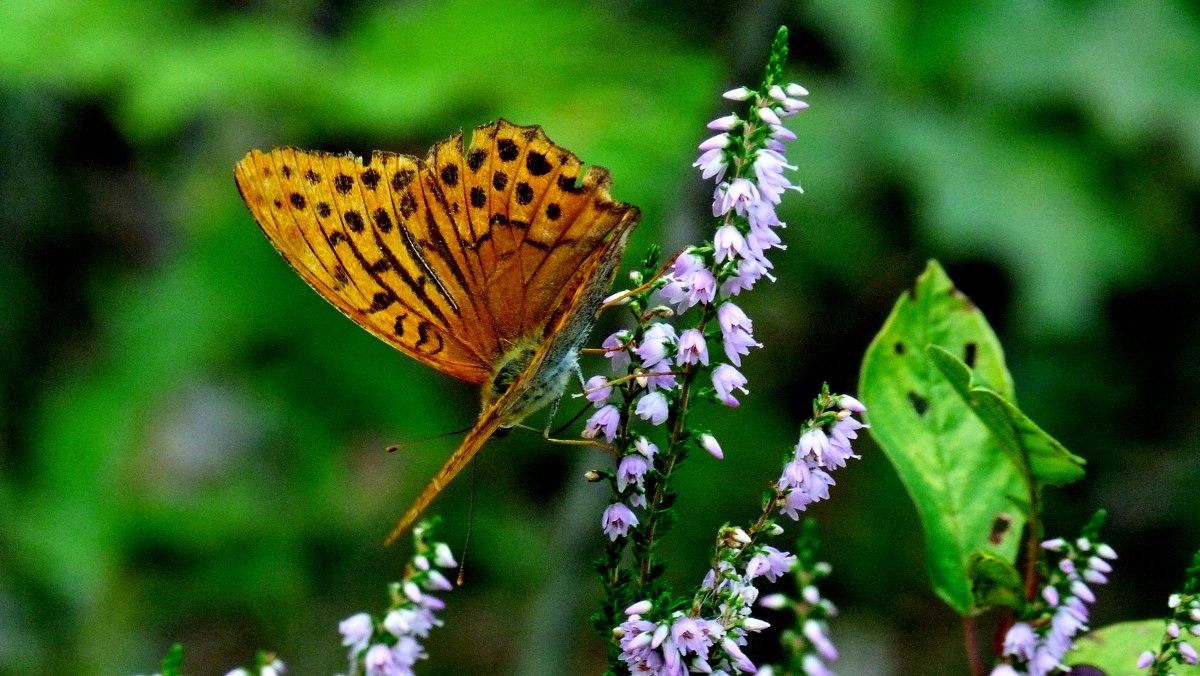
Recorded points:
363,235
459,260
549,251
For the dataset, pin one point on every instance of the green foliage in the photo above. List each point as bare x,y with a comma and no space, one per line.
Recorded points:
947,459
1115,648
172,662
995,581
1048,461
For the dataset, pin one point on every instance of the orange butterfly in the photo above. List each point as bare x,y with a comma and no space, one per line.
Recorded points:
489,266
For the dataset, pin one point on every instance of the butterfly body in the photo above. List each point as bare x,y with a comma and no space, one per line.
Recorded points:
488,264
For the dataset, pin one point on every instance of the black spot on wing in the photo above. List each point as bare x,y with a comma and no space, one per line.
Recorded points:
297,200
370,178
524,193
408,205
553,211
402,178
354,221
537,165
343,183
382,301
382,220
450,175
567,184
478,197
499,180
507,150
475,159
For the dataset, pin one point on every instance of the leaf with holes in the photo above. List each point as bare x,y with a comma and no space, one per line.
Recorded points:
958,477
1115,648
1049,461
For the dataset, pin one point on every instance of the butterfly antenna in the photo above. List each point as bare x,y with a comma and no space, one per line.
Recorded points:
570,422
405,444
462,560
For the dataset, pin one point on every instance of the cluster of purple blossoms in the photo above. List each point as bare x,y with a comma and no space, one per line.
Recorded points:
1036,646
711,644
1175,648
392,647
748,152
823,447
812,611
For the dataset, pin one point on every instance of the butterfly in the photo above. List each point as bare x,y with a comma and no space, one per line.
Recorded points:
488,264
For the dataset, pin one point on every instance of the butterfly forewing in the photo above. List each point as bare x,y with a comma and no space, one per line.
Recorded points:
309,206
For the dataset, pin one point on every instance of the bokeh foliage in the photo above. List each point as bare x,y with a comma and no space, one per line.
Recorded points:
191,441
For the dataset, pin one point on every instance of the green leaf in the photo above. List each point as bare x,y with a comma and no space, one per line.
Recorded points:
956,474
1115,648
172,662
995,582
1049,461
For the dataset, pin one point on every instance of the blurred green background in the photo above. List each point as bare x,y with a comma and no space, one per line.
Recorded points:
191,441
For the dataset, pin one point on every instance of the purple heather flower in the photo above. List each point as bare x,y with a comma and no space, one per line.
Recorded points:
739,94
715,142
596,390
645,447
712,164
410,621
767,115
815,632
616,350
617,520
736,330
770,562
849,403
735,196
726,379
640,608
659,376
1020,641
1188,653
653,407
1055,545
381,661
1145,659
692,348
632,470
653,348
749,271
356,632
725,123
604,422
1050,594
813,666
688,636
709,442
728,242
442,557
406,652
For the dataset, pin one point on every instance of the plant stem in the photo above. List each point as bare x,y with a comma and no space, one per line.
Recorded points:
971,644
